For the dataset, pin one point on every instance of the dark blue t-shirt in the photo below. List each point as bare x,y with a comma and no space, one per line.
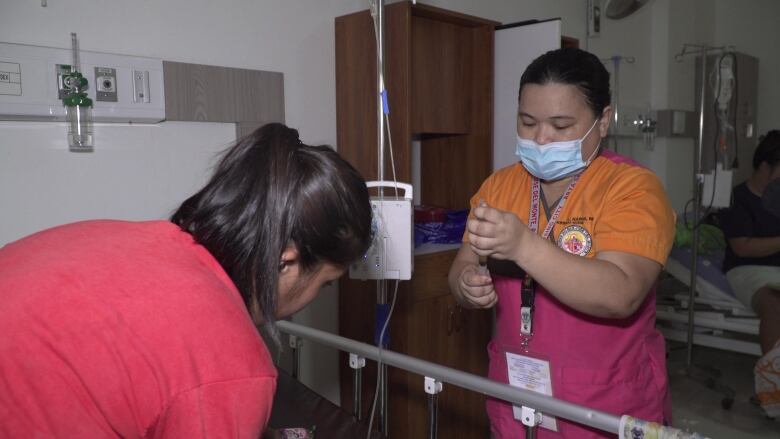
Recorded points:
746,218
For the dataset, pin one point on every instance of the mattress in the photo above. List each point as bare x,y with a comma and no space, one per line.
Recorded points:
711,283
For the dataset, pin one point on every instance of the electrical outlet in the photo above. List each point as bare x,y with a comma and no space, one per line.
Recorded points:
141,86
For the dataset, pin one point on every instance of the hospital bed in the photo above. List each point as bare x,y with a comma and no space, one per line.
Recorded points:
297,406
721,321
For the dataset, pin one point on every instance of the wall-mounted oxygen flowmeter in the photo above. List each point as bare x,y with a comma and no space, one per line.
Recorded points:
391,253
78,106
72,87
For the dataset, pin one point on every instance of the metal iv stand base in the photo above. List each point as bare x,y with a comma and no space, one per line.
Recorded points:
710,378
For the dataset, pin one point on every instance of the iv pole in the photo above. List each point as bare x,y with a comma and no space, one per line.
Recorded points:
377,10
379,13
696,373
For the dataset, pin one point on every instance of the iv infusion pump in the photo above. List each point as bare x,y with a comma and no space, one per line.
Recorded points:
391,253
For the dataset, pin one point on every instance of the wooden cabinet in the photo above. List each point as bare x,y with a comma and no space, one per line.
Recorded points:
439,78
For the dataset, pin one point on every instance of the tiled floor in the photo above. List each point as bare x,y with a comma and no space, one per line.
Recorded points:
698,408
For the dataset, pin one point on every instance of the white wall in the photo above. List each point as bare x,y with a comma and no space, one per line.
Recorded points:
135,173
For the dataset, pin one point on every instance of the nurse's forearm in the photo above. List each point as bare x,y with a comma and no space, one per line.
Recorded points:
593,286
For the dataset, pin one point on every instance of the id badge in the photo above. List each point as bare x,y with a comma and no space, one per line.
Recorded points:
531,373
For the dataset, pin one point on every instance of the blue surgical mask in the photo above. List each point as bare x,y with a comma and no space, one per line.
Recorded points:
554,160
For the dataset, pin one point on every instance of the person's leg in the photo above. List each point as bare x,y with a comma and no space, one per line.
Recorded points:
766,303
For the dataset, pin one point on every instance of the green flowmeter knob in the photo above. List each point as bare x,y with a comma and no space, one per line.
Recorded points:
77,100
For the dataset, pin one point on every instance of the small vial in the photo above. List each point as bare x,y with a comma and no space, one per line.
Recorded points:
483,270
483,266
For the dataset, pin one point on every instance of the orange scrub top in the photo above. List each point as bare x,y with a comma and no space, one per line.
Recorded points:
613,365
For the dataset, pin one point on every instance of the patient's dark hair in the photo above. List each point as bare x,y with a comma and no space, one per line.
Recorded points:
573,67
270,191
768,150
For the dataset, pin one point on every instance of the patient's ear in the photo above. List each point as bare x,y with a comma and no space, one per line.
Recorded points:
290,256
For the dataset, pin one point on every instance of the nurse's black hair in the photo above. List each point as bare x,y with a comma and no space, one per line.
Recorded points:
768,150
270,191
574,67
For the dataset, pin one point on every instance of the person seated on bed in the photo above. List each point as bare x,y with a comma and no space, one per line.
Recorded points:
148,329
752,262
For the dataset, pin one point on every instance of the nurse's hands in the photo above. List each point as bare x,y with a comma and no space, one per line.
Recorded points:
476,287
496,233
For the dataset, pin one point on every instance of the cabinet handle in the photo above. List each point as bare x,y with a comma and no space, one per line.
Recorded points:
458,318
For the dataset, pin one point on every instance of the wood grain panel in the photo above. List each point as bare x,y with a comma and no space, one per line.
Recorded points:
430,278
442,76
398,72
466,160
202,93
479,152
446,155
257,95
356,124
245,128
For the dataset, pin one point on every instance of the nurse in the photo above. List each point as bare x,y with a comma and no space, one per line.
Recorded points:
575,237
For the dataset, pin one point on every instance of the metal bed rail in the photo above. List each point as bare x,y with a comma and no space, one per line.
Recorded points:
537,402
533,405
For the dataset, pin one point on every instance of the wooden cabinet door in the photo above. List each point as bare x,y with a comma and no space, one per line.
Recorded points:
440,331
436,329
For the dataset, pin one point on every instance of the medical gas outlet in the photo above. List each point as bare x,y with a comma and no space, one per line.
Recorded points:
121,88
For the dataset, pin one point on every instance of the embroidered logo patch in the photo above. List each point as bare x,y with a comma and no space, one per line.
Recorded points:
575,240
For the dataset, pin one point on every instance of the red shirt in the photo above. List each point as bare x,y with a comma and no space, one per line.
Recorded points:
128,329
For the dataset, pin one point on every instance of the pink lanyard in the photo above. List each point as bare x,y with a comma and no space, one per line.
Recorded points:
527,289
